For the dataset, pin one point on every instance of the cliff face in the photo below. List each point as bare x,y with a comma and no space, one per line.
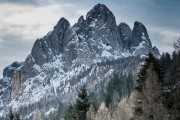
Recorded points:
67,57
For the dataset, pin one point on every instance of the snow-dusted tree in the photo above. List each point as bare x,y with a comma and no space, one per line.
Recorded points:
177,45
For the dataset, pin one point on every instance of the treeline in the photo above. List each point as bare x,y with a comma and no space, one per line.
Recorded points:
118,87
158,89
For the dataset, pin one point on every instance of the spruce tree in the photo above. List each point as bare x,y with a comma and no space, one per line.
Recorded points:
11,115
82,103
17,117
150,87
150,60
130,84
71,113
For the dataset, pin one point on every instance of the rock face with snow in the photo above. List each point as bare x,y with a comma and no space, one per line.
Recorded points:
125,35
67,57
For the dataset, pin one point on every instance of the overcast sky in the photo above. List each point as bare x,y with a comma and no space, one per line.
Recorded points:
23,21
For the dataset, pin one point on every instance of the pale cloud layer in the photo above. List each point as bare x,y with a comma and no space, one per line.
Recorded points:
23,21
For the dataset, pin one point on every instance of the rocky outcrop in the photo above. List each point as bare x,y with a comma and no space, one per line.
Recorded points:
139,34
19,77
125,34
9,71
52,44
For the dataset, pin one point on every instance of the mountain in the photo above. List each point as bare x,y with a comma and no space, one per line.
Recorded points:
88,52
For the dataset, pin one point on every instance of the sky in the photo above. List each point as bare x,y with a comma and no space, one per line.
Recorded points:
24,21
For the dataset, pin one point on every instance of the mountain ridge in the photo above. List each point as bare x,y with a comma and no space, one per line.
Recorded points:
92,49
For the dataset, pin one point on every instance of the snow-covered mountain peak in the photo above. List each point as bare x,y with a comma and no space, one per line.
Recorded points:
67,57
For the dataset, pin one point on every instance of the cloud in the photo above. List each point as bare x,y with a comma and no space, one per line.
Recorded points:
29,22
22,25
27,2
163,38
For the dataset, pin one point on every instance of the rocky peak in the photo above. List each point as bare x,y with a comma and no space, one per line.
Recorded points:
81,24
8,71
81,19
123,26
140,28
62,24
100,13
52,44
125,34
139,34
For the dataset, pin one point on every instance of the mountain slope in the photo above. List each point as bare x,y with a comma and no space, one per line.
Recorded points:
67,57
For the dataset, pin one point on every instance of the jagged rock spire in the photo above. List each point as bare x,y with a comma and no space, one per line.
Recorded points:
139,34
102,13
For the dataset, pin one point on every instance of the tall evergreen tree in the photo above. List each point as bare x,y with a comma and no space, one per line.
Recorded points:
71,113
177,45
17,117
79,110
150,88
11,115
150,60
82,104
130,84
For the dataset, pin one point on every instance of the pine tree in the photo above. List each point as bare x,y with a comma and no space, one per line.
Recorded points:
17,117
61,110
82,103
175,81
175,68
165,63
150,87
11,115
71,113
150,60
177,45
130,84
108,100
